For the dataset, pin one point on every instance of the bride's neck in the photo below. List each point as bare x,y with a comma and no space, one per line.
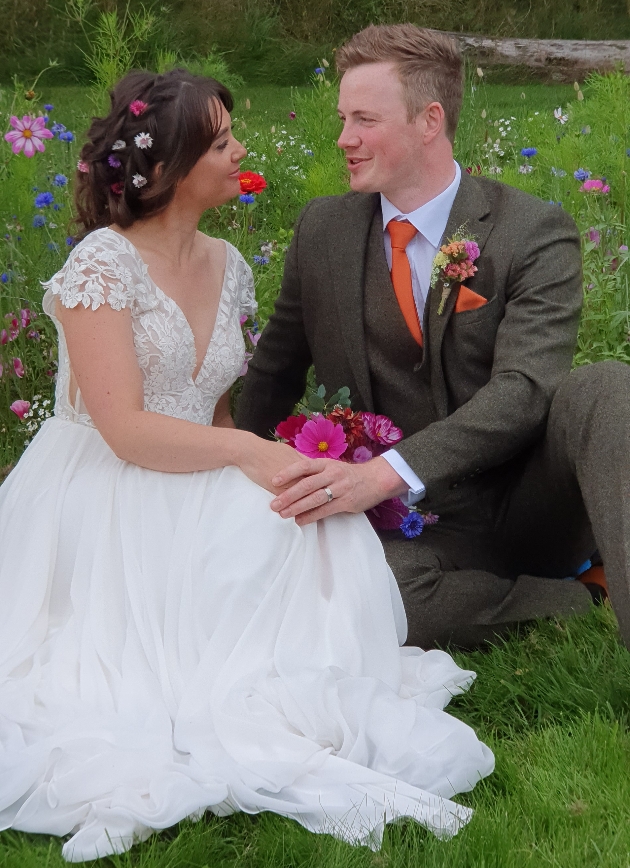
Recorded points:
172,233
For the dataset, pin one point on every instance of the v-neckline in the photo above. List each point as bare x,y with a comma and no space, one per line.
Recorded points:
194,374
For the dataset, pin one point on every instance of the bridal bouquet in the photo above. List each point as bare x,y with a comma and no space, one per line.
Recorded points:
331,429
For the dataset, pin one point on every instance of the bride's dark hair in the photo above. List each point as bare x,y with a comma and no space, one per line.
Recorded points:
182,118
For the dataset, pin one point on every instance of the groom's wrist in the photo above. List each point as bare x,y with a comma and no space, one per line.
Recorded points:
388,482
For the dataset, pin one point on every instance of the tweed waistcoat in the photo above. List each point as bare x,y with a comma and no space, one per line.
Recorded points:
399,386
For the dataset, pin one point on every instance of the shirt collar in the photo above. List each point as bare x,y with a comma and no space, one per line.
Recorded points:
431,218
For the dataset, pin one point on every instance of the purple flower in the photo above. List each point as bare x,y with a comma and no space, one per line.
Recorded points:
581,175
319,70
254,338
472,250
60,180
114,162
361,455
529,152
48,107
70,242
247,198
430,518
412,525
42,200
623,248
593,235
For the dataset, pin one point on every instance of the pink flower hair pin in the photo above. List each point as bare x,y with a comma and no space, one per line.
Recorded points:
137,107
138,181
82,166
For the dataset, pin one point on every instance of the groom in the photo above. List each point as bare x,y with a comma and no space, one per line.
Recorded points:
527,464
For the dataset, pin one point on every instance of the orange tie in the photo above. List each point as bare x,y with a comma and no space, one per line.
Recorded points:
401,234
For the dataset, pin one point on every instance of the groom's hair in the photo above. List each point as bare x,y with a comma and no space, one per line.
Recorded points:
429,65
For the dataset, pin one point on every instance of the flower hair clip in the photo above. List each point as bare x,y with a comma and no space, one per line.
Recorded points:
119,145
139,181
82,166
143,141
114,162
137,107
118,188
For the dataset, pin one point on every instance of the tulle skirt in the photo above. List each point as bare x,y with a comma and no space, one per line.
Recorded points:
169,645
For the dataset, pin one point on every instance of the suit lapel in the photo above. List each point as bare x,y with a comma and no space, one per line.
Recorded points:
348,240
469,213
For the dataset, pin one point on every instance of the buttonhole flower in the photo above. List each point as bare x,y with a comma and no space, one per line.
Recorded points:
320,438
581,174
412,525
27,135
82,166
43,200
143,141
138,181
66,136
60,180
38,221
114,162
18,367
137,107
20,408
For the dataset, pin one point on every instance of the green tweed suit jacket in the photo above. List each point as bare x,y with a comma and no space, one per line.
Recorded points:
492,372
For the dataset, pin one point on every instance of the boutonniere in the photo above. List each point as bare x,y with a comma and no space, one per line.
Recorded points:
454,264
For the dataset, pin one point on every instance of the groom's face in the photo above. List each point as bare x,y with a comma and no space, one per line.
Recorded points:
383,149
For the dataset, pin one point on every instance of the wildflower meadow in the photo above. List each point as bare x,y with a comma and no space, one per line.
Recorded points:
555,701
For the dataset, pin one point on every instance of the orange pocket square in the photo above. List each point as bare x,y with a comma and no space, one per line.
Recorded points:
468,300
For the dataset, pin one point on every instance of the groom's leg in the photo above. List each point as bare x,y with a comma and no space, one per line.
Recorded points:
574,493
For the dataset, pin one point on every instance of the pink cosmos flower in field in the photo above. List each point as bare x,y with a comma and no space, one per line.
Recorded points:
321,438
26,317
20,408
594,185
381,429
27,135
4,337
594,236
18,367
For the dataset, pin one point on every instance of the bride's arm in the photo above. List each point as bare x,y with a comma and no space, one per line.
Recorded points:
103,359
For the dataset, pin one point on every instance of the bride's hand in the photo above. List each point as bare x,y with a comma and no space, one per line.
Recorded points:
265,459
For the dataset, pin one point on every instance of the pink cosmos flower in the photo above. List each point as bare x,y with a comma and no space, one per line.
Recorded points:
28,135
26,317
4,337
290,428
381,429
243,318
594,185
594,236
14,329
245,368
472,250
18,367
361,455
20,408
253,338
321,438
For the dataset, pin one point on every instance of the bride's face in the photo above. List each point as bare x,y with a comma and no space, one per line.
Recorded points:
213,180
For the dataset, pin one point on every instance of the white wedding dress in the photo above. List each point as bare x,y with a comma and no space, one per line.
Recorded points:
169,645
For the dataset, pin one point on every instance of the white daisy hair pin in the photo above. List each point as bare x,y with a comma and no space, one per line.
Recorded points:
119,145
139,181
143,141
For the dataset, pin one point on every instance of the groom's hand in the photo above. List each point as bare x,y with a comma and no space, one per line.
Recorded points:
354,487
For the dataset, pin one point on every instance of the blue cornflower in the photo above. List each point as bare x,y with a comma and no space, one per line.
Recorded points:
66,137
70,242
581,175
528,152
45,119
57,206
52,245
4,277
247,198
558,173
261,260
60,180
38,221
48,107
57,128
319,70
412,525
42,200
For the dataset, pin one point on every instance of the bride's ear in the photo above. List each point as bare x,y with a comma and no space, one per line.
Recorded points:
158,169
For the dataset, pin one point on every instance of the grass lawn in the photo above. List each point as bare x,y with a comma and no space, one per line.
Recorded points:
553,702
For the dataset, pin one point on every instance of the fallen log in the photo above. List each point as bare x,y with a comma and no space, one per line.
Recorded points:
560,59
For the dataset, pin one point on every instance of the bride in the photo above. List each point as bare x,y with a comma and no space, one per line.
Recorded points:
168,643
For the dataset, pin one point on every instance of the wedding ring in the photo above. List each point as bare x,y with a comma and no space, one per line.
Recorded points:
329,494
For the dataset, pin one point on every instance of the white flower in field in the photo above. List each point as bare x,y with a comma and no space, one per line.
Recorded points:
139,180
495,170
143,141
557,113
525,169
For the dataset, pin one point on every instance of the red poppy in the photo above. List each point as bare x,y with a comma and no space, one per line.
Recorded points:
251,182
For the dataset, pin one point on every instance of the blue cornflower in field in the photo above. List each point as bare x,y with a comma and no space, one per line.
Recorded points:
66,137
4,277
261,260
558,173
48,107
528,152
57,128
581,175
412,525
38,221
70,242
60,180
52,245
42,200
247,198
319,70
57,206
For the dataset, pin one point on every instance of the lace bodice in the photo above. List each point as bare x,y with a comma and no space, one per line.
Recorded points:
105,268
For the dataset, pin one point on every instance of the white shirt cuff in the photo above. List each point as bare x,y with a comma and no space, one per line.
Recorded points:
416,488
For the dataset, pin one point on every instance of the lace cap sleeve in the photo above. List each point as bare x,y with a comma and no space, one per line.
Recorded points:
247,294
98,270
